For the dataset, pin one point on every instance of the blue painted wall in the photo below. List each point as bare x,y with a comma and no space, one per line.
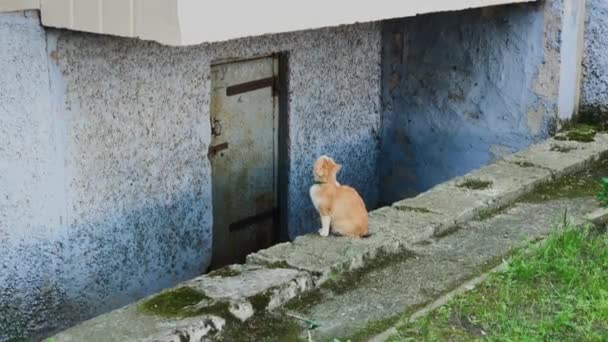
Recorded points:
461,89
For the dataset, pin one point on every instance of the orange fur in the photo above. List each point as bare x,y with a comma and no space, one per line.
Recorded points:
341,208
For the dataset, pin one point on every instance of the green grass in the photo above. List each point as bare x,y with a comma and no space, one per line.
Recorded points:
602,195
556,291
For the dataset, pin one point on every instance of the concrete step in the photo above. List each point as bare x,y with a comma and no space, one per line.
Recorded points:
274,276
439,265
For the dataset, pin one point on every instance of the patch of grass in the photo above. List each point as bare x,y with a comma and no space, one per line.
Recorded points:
602,195
578,132
581,184
475,184
556,291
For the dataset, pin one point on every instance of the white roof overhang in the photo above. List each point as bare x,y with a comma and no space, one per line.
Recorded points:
188,22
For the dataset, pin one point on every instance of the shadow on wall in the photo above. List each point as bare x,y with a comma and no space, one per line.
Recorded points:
357,153
95,266
458,93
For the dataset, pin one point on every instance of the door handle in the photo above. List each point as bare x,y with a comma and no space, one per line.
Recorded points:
216,127
214,149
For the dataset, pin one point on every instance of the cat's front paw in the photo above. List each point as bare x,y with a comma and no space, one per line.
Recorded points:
323,233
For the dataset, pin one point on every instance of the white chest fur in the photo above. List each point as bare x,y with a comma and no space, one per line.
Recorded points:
314,195
314,190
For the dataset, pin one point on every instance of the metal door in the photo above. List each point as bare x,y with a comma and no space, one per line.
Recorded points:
243,156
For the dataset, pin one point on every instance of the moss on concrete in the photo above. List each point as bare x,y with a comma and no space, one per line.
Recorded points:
173,303
446,232
580,184
260,301
593,116
277,264
224,272
414,209
264,327
486,214
181,302
523,163
578,132
307,300
342,282
345,281
561,148
377,327
475,184
423,243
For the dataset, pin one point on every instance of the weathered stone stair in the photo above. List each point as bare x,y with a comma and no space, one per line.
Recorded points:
223,300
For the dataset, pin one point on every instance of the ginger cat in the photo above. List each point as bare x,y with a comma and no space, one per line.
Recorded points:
340,206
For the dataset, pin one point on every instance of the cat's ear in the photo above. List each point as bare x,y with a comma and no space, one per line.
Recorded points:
337,167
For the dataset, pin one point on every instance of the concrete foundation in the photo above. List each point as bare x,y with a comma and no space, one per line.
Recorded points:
422,247
104,144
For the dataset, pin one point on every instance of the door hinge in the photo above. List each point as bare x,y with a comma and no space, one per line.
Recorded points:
254,85
214,149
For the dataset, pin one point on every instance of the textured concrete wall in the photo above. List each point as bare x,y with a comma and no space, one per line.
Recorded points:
119,193
594,92
32,196
462,89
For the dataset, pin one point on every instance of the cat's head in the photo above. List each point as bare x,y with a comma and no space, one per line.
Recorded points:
325,168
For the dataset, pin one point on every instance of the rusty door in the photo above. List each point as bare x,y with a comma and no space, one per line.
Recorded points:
243,156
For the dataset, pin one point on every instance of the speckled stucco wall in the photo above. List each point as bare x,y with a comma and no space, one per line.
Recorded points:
131,181
138,132
32,198
461,89
594,92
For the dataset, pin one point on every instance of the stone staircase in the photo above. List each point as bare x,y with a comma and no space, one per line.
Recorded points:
226,302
